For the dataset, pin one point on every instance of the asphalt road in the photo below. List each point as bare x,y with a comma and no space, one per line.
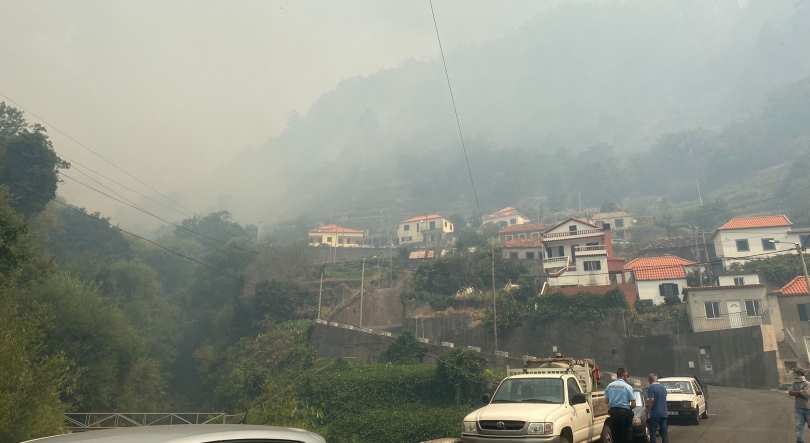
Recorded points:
741,416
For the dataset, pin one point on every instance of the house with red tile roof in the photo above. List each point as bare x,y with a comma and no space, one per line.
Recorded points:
794,308
743,239
336,236
425,230
658,277
524,249
713,308
507,216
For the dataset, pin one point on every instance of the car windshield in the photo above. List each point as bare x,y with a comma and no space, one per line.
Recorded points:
677,387
530,390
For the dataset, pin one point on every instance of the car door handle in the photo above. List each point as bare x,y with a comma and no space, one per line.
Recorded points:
588,411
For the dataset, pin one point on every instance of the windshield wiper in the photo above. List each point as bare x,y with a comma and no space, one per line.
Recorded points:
504,401
537,400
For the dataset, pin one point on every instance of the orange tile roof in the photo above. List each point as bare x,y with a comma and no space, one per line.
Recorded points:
335,229
767,221
659,268
797,286
524,227
422,218
524,243
568,220
505,212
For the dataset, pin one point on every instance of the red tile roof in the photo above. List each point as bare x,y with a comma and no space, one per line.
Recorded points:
767,221
569,220
659,268
335,229
524,243
797,286
525,227
422,218
505,212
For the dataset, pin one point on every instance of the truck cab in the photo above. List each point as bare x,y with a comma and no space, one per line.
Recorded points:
549,401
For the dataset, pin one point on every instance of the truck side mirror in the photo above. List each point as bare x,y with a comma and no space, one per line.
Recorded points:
578,399
486,398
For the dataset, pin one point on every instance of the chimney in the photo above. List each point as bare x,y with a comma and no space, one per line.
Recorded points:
608,239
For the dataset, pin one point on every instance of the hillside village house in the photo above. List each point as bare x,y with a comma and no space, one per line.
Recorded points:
724,307
794,308
744,238
428,230
507,216
523,249
336,236
658,277
578,253
618,221
524,230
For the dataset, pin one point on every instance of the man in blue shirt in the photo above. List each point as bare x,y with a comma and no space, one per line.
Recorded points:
657,409
621,403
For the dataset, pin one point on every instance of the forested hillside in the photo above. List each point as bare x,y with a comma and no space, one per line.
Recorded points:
602,87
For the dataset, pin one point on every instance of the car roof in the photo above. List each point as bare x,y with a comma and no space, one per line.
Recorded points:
186,434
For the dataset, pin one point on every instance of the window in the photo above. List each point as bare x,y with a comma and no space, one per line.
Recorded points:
521,235
433,225
804,240
573,388
753,308
592,265
417,227
340,240
768,244
667,289
535,235
619,222
329,239
432,237
445,223
560,251
592,244
712,309
530,256
513,255
620,235
406,239
451,227
802,312
507,237
572,228
512,221
406,228
742,245
739,281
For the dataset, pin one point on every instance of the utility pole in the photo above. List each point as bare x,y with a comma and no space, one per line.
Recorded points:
494,299
700,199
706,253
320,292
362,283
697,254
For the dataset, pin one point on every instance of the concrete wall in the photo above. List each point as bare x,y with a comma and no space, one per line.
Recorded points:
381,307
736,355
800,330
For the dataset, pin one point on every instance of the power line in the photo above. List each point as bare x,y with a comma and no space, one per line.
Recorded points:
455,111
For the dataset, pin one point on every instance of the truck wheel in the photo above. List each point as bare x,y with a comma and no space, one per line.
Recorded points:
697,416
606,437
705,411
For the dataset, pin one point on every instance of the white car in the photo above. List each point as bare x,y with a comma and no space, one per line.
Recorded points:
686,398
190,434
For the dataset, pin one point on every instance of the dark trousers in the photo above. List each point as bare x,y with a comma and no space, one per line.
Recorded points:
621,425
656,423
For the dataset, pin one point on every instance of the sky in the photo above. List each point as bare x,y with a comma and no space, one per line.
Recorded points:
169,91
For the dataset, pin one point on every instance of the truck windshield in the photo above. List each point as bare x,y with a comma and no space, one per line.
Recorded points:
677,387
530,390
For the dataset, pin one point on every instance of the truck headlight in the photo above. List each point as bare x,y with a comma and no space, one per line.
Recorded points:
540,428
468,427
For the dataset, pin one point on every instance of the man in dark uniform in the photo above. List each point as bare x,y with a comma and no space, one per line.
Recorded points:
621,403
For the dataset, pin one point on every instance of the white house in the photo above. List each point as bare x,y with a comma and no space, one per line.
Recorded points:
524,230
737,279
429,230
578,253
658,277
736,306
745,238
618,221
507,216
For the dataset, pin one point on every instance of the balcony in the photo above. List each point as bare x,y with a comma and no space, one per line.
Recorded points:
697,324
587,251
556,262
572,234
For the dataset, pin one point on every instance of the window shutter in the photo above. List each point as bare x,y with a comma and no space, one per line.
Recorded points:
661,290
802,312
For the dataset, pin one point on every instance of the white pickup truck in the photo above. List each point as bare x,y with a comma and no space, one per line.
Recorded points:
548,401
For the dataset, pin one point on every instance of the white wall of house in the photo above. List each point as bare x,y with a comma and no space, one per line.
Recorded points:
412,232
650,289
731,280
726,243
508,220
593,276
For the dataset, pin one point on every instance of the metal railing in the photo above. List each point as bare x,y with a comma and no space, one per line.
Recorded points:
573,233
556,260
91,421
697,324
590,248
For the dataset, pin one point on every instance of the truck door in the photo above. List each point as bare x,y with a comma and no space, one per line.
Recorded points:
581,422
